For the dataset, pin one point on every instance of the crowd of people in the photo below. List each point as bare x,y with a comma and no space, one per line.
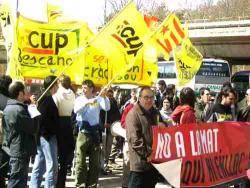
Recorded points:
72,124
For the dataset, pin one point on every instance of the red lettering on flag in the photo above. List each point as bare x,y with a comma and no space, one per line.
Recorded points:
174,38
120,40
38,51
168,46
179,29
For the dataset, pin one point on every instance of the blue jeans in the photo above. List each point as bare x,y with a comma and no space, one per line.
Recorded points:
45,161
19,169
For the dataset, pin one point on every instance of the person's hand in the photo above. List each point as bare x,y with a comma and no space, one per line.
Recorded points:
161,125
33,99
107,125
103,92
149,158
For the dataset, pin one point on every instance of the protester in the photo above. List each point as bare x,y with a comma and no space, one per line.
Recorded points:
131,100
64,99
221,110
174,99
184,113
46,158
5,81
203,105
161,93
108,118
139,122
166,112
87,108
19,135
126,162
244,108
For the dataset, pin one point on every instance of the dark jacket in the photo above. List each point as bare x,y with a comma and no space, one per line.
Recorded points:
113,114
220,113
202,111
243,111
159,98
49,120
19,130
139,134
3,103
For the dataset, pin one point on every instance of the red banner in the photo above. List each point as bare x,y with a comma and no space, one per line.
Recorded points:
212,153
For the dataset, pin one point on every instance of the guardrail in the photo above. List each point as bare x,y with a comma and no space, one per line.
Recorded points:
223,24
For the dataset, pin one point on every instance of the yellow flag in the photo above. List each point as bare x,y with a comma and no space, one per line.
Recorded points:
101,70
169,35
188,60
144,71
122,38
43,49
96,66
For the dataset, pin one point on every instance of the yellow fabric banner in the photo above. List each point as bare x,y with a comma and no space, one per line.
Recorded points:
101,70
169,35
188,61
43,49
122,39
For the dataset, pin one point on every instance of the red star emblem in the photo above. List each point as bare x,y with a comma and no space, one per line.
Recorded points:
164,29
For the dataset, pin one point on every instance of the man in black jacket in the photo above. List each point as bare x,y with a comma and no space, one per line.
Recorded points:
46,159
19,135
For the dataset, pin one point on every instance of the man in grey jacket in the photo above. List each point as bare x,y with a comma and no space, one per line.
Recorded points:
19,135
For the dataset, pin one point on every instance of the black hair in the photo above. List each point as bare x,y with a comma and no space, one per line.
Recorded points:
226,91
5,81
162,82
187,96
89,83
15,88
202,90
65,81
48,81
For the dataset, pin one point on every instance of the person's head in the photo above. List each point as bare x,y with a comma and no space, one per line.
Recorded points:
187,97
133,94
228,96
171,87
212,96
204,94
161,85
227,84
110,93
166,103
5,81
17,91
47,84
146,98
248,96
65,81
88,88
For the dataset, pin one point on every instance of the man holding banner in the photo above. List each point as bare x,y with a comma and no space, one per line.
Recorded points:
87,108
139,122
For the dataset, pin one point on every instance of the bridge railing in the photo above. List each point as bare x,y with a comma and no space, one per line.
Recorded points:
218,24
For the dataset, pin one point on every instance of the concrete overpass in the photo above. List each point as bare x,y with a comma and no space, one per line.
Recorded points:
225,39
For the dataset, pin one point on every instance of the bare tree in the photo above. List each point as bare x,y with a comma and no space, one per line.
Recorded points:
150,7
